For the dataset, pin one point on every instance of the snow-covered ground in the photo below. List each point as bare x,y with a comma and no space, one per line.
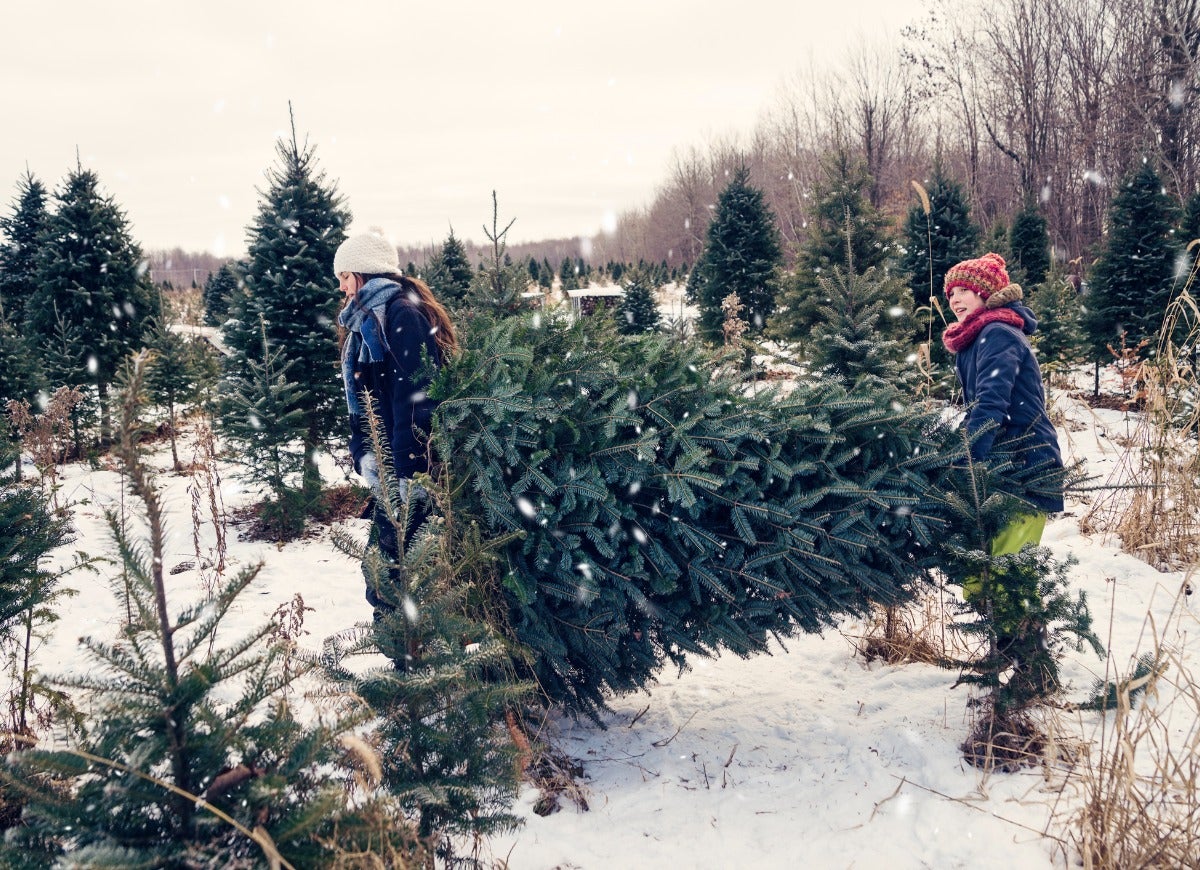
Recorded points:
807,757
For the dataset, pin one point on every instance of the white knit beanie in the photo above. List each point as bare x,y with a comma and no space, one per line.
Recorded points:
368,254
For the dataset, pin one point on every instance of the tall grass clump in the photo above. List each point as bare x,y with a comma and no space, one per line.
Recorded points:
1152,504
1141,782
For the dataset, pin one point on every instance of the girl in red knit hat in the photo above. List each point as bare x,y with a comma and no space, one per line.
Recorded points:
1002,385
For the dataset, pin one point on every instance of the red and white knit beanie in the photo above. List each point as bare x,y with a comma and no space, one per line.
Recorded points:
985,276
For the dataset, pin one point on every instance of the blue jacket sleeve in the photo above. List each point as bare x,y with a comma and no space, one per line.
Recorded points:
997,360
411,346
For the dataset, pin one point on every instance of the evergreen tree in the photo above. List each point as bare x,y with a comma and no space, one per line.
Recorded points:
261,414
1133,280
446,688
935,241
664,512
638,311
568,277
1029,247
63,362
91,290
500,288
219,288
29,590
290,292
19,375
862,327
19,251
546,275
1189,224
843,230
1024,612
173,376
449,272
840,211
741,255
194,758
1060,340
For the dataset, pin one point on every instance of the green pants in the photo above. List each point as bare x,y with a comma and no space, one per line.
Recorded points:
1023,529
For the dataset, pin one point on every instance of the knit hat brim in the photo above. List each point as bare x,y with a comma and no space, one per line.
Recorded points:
366,254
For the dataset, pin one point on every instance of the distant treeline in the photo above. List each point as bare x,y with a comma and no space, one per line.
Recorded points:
181,268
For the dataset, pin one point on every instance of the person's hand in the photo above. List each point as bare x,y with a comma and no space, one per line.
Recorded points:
368,469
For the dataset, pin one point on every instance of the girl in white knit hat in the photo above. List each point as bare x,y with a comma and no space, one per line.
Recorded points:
394,329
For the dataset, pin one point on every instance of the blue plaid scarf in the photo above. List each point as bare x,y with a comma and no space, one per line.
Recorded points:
366,339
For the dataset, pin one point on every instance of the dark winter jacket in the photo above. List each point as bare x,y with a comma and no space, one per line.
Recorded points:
1002,384
393,363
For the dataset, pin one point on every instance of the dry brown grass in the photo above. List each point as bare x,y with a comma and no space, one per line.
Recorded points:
1008,741
921,632
1153,503
1141,781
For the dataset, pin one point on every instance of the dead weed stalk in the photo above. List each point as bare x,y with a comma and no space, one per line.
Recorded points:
1152,500
1141,781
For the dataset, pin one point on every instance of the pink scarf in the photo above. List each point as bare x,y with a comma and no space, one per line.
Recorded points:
959,336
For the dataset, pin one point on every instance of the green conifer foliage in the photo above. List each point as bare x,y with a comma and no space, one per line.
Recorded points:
19,250
863,326
1133,280
1024,611
842,210
219,288
174,375
29,588
62,362
91,291
1060,340
843,230
501,287
567,275
940,239
290,290
439,701
19,374
1189,223
666,514
193,758
1029,247
741,255
449,273
261,415
638,311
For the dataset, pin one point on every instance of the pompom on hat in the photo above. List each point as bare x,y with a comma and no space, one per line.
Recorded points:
985,276
367,254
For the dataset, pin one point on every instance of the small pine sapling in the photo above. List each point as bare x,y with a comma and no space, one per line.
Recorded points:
173,377
1024,611
861,329
30,592
638,311
261,415
442,701
498,289
193,758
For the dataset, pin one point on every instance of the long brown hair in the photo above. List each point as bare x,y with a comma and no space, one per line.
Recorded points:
444,333
443,327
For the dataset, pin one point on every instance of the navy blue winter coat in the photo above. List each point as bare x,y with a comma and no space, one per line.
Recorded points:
399,385
1002,383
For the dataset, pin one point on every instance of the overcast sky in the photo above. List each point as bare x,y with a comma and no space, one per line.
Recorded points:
417,111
